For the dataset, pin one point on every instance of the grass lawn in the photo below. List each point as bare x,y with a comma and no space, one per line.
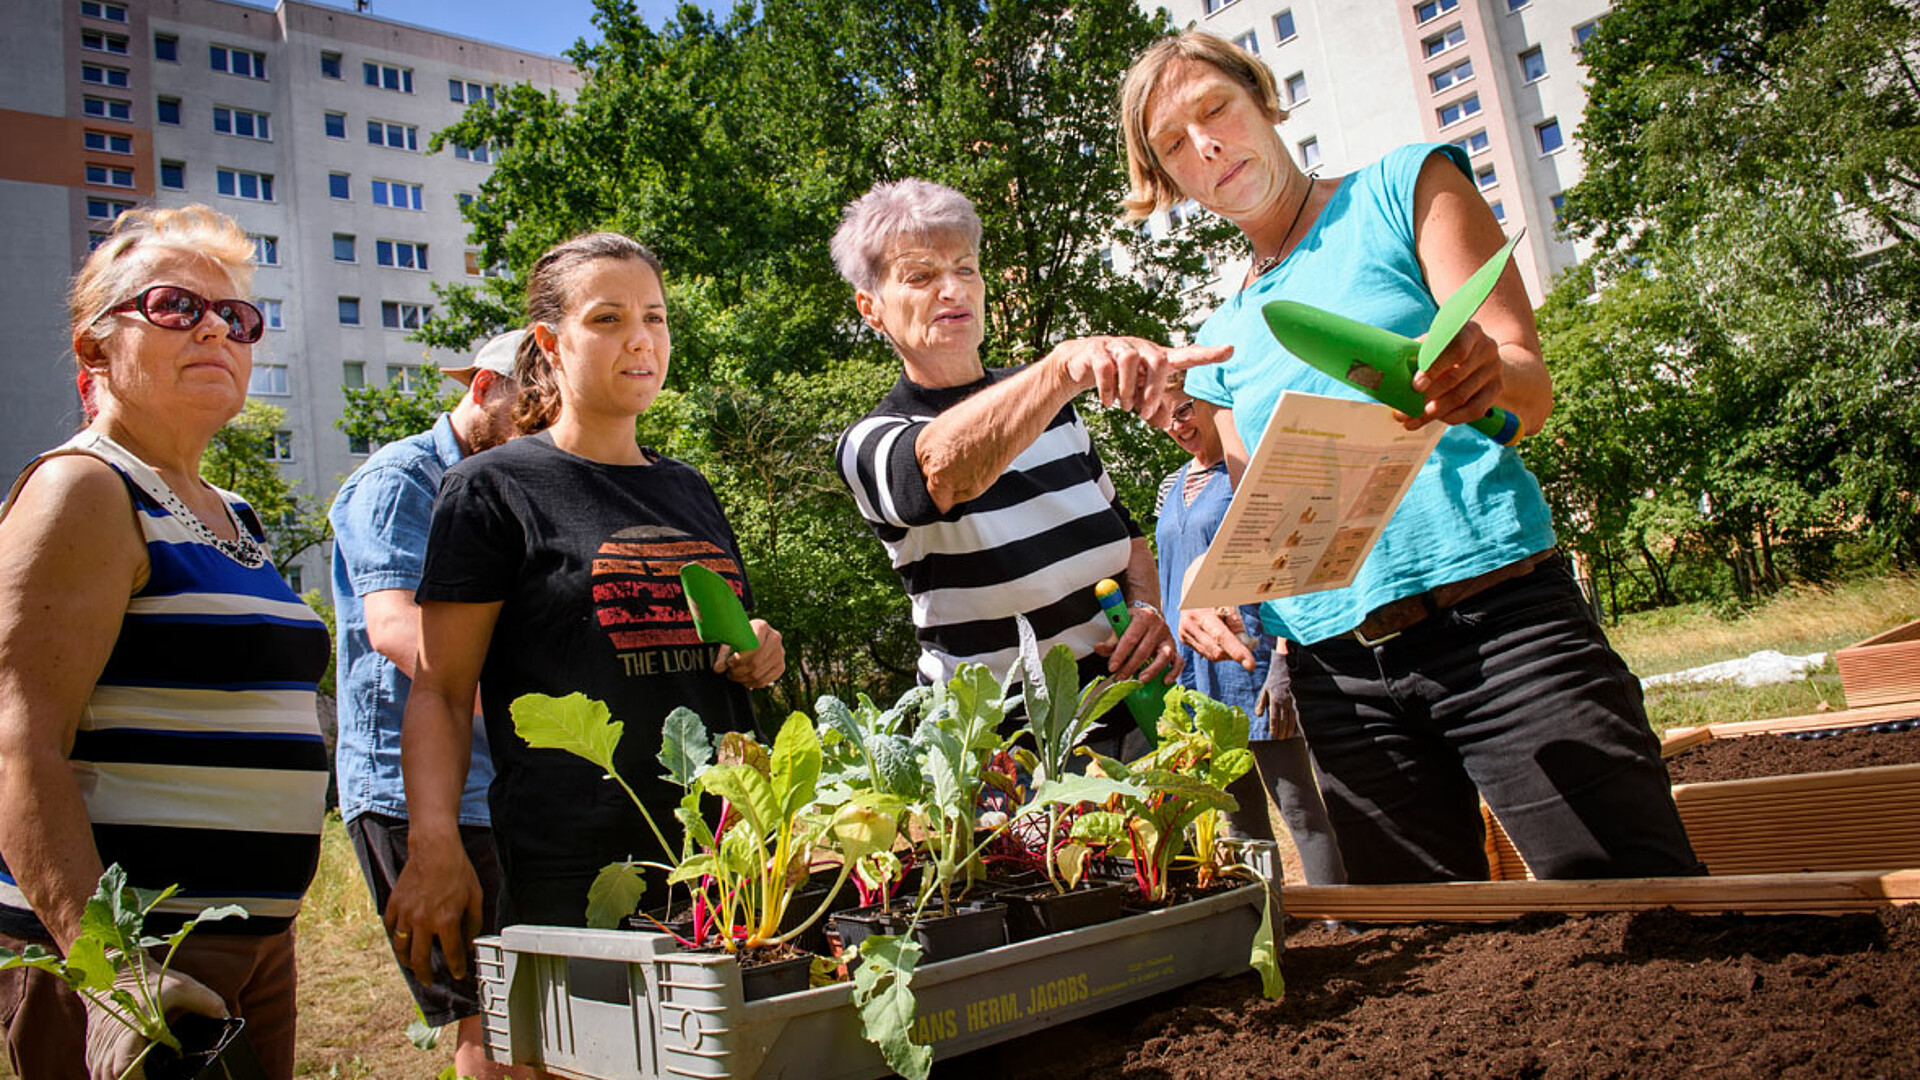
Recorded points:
354,1009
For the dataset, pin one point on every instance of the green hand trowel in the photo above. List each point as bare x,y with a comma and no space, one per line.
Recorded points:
1381,363
718,616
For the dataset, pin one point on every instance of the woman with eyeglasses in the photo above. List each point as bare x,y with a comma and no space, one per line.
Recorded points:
157,676
1251,671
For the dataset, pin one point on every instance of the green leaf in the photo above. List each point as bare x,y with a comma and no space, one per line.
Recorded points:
1074,788
1229,766
615,894
1101,826
1265,957
422,1035
796,765
858,830
834,714
693,868
87,965
893,759
883,998
575,723
684,746
749,792
1071,859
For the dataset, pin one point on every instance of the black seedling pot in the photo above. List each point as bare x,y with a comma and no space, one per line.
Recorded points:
971,928
1039,912
214,1049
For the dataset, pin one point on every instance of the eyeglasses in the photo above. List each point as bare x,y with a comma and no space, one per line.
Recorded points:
1182,412
171,307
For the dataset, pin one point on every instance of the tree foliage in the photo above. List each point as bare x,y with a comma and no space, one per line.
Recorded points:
1736,369
240,459
384,414
729,146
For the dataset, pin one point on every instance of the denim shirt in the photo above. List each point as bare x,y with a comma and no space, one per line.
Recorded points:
380,520
1183,534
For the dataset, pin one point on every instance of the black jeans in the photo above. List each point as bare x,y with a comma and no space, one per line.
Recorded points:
1513,695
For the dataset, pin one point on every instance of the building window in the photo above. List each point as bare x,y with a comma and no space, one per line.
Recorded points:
1296,88
358,445
1451,76
173,175
1455,111
1485,177
266,250
1474,143
402,377
111,108
330,65
1499,210
339,186
349,311
103,76
1516,5
388,77
295,580
1547,132
468,93
166,47
1533,65
1559,202
398,194
400,254
107,142
1283,30
93,9
1249,41
106,209
269,380
270,311
1451,37
109,176
95,239
1309,152
243,62
393,136
98,41
479,153
343,247
353,374
1212,6
335,125
166,110
1583,33
1433,9
280,446
243,185
398,316
241,123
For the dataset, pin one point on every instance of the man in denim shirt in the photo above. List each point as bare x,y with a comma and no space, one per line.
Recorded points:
380,519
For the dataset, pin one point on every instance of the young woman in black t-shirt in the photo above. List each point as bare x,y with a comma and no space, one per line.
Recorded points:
553,567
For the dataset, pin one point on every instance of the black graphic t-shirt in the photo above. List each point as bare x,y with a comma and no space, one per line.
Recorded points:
585,559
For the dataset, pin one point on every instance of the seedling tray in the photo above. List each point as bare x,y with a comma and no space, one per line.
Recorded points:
613,1005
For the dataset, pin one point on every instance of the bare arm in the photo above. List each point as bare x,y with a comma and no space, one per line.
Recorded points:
967,447
438,895
393,626
1496,359
66,573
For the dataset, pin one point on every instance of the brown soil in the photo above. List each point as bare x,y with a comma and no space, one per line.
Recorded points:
1653,994
1777,755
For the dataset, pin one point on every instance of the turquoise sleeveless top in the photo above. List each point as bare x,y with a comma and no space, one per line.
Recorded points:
1474,506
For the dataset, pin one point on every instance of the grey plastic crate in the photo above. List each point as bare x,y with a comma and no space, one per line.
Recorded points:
614,1005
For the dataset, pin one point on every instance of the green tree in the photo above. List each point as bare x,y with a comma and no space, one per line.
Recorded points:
240,459
384,414
729,146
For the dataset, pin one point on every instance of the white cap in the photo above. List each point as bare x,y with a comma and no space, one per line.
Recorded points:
496,356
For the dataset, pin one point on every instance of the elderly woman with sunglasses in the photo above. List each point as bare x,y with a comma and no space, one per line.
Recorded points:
157,676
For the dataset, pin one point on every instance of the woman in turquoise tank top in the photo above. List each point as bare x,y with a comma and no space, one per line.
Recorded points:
1462,663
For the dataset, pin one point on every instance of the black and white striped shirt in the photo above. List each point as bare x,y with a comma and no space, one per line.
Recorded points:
1034,543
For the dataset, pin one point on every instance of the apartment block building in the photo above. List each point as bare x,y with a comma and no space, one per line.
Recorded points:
309,125
1499,78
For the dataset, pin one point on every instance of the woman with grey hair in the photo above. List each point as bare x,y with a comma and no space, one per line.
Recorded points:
983,484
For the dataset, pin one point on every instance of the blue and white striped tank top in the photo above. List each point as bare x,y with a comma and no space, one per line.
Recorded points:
199,755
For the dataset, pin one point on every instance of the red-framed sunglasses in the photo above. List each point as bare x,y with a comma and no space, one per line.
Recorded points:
172,307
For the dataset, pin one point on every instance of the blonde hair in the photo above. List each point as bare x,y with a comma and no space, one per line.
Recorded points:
1150,188
117,269
549,294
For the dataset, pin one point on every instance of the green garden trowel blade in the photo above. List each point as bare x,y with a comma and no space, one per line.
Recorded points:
1381,363
717,615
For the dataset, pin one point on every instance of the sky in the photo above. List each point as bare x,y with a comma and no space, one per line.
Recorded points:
548,26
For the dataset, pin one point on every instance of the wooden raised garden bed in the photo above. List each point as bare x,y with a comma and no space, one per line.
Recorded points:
1882,670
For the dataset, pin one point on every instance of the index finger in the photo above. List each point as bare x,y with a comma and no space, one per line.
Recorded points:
1193,356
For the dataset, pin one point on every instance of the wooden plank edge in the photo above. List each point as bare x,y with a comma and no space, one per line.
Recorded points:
1831,892
1841,718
